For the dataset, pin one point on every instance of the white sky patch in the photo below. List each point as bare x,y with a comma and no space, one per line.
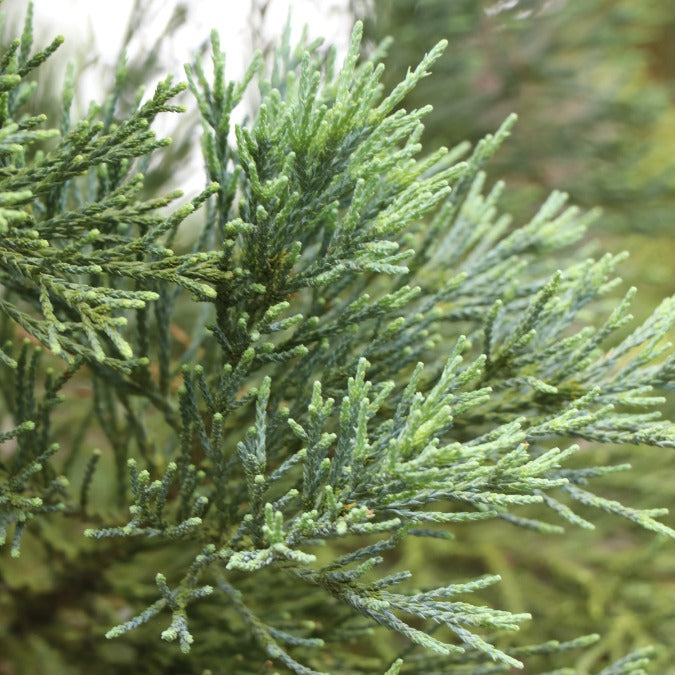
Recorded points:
101,27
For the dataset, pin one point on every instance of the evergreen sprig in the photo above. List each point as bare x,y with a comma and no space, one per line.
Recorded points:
381,355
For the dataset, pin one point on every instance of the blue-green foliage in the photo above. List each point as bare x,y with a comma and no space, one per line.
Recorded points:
380,354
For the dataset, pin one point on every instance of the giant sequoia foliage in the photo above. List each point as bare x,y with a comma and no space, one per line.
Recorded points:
222,445
590,80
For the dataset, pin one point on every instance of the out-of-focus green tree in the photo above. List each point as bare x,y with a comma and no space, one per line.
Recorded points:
589,80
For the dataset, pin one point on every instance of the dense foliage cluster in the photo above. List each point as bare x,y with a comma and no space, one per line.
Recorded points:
339,346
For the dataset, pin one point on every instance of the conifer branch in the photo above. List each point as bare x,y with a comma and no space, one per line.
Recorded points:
379,353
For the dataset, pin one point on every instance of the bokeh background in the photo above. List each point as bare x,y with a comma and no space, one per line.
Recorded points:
593,83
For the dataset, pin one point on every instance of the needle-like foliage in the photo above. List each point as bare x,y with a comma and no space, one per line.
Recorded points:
355,348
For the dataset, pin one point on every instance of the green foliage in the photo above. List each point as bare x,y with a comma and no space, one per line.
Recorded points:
357,350
590,81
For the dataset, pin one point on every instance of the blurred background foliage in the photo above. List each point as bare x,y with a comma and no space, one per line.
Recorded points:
593,83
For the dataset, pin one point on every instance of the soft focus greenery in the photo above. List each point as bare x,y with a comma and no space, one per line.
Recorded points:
591,82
